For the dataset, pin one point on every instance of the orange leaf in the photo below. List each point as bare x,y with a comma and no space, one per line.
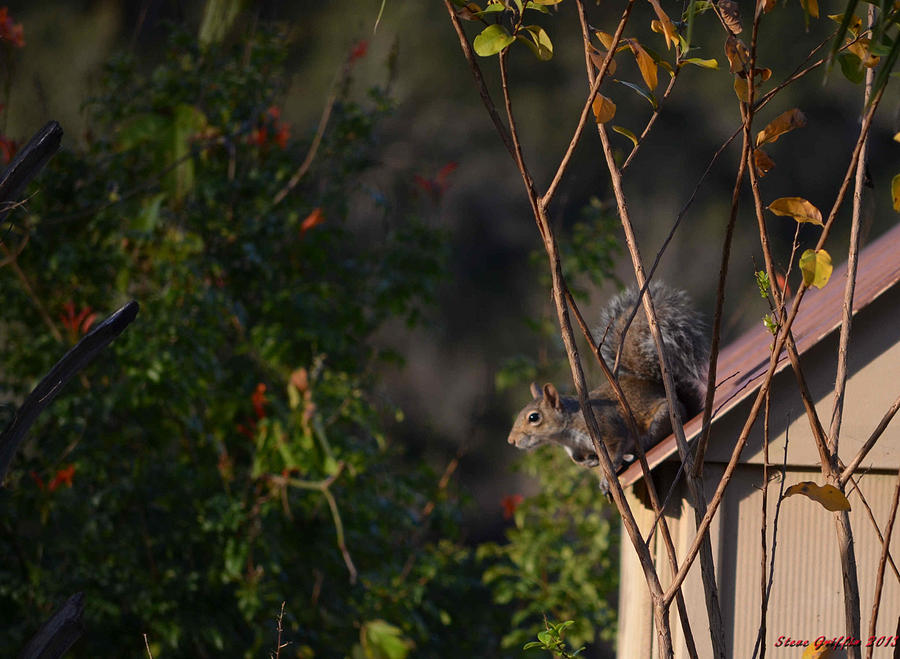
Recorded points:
645,63
313,219
784,122
668,28
604,109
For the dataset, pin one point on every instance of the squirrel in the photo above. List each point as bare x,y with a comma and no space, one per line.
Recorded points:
554,419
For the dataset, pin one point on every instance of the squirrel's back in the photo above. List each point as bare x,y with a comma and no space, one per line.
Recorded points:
683,333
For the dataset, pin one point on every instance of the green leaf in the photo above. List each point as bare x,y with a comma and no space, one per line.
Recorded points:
148,218
702,63
532,644
491,9
537,7
627,133
539,42
816,267
851,67
640,90
492,40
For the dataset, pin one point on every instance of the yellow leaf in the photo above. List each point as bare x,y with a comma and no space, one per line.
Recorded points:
668,28
829,496
645,63
605,39
764,74
854,24
895,192
797,208
763,163
742,89
604,109
822,652
783,123
861,48
816,267
811,7
897,137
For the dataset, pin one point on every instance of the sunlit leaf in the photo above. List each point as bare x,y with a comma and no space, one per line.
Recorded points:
627,133
492,8
702,63
784,122
763,163
547,2
815,265
604,38
604,109
668,27
797,208
853,24
895,192
811,7
492,40
536,7
538,41
847,18
645,63
829,496
861,48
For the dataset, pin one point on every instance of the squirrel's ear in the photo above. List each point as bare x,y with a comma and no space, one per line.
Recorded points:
535,392
551,395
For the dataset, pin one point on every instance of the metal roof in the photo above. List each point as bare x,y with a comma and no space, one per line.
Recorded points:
743,363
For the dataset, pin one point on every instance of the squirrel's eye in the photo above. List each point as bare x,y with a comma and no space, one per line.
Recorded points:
534,417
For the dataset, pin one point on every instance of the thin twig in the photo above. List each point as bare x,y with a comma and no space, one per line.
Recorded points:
147,645
870,442
885,549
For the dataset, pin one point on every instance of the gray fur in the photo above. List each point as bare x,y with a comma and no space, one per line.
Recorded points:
684,337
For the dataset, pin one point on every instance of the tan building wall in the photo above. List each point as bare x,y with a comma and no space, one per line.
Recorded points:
807,595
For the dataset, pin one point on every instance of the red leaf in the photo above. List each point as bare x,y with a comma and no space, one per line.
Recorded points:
359,51
510,503
259,400
312,220
63,476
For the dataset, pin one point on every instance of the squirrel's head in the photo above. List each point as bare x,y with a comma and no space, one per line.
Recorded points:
539,420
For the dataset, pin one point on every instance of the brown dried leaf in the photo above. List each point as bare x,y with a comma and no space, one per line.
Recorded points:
597,56
763,163
767,6
829,496
604,109
605,39
737,54
469,12
731,15
784,122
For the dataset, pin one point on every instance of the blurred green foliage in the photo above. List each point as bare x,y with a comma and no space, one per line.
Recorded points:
221,454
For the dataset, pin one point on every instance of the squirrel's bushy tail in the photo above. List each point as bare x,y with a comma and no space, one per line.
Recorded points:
683,333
